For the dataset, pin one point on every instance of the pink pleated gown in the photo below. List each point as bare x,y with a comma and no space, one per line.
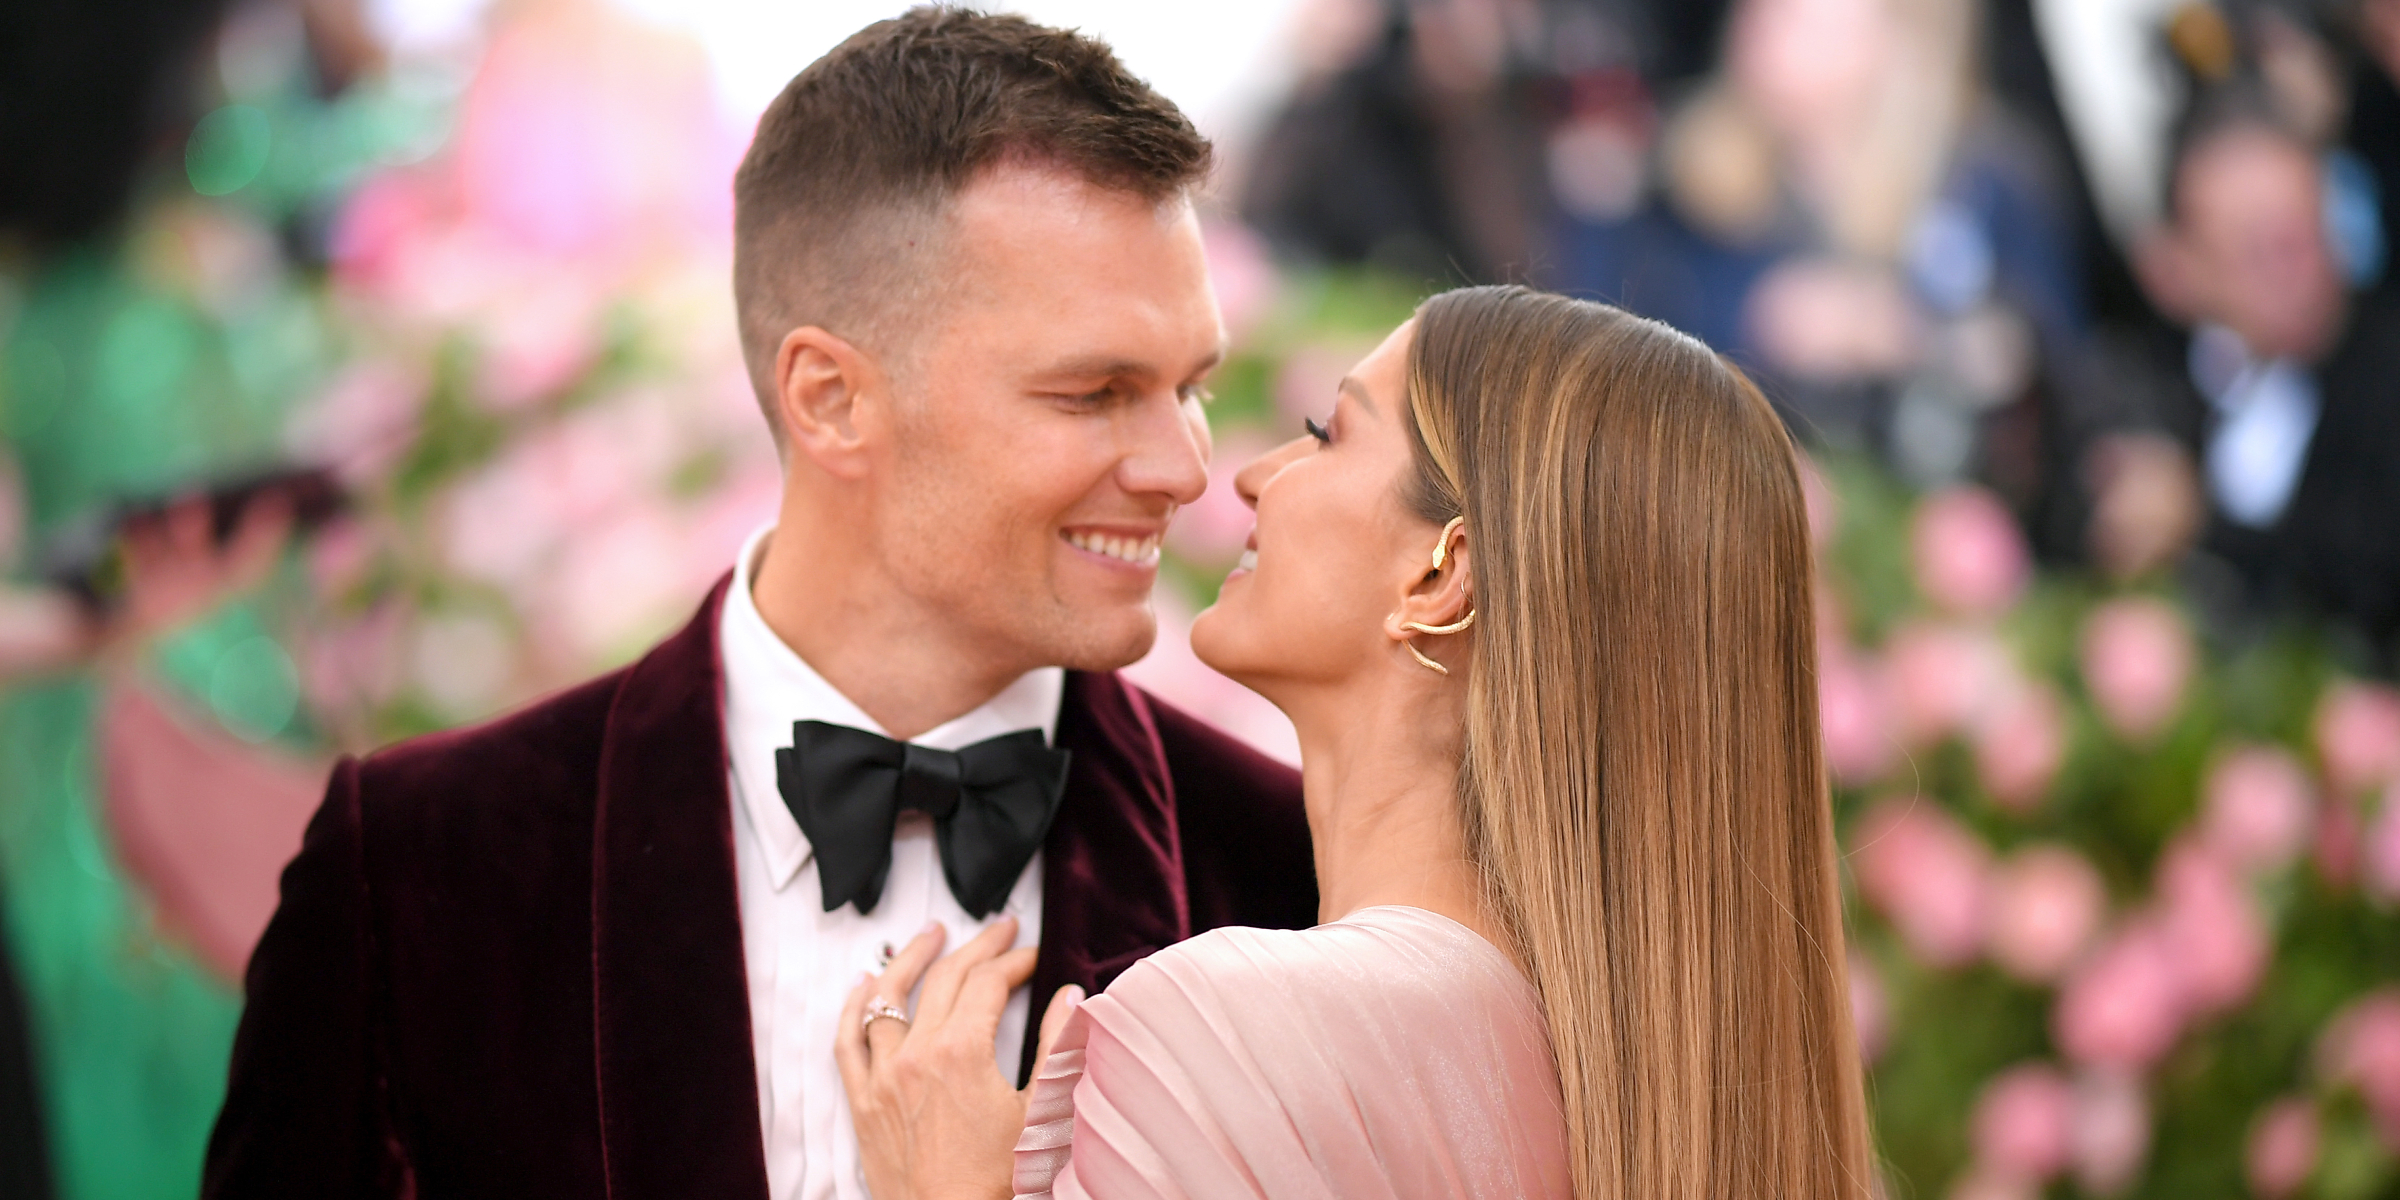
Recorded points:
1390,1055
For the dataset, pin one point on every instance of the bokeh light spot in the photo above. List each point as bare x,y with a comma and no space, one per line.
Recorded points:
32,386
227,150
255,688
145,350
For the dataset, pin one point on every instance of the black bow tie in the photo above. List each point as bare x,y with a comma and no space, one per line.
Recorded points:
991,805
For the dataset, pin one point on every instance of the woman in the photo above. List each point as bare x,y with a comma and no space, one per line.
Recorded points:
1536,597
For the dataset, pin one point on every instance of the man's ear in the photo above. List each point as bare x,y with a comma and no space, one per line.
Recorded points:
1440,596
821,384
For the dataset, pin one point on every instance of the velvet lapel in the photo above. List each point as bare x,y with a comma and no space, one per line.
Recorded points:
678,1092
1112,870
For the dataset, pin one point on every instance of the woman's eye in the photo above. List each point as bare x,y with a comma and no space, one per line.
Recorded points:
1315,430
1194,391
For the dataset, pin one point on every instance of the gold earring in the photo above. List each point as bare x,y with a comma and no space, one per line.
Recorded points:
1441,554
1453,627
1441,549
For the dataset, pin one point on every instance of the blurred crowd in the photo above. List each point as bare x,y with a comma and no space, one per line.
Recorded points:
2123,262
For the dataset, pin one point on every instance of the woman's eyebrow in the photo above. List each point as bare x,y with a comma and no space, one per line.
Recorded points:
1358,391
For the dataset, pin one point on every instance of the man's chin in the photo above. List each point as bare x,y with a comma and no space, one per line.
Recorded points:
1109,641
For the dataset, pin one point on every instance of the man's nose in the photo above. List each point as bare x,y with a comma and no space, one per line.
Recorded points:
1168,455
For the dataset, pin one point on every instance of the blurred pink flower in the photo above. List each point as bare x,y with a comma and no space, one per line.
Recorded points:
1970,558
361,421
2358,736
2137,657
584,129
2258,808
2046,903
2211,926
2023,1123
1928,875
2111,1131
538,344
2361,1048
611,592
1212,529
2283,1147
1855,716
1242,273
2379,852
2335,850
1870,1008
2124,1006
351,665
587,143
1941,677
338,556
2020,743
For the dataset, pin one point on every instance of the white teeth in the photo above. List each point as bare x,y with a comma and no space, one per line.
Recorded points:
1249,561
1141,551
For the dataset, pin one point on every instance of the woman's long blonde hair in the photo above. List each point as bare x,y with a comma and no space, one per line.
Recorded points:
1642,783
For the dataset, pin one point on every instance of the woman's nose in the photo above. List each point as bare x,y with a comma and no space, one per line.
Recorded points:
1251,479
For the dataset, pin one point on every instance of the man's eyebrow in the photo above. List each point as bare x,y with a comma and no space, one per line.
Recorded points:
1104,367
1358,392
1094,367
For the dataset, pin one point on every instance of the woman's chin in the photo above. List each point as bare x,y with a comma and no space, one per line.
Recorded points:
1208,640
1218,643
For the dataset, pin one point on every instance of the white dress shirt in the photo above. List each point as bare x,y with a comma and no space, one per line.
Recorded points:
802,961
2266,417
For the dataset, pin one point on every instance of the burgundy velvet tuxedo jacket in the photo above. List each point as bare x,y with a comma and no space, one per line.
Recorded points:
508,960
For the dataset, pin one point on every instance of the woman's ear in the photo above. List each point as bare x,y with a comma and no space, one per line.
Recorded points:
1443,595
821,381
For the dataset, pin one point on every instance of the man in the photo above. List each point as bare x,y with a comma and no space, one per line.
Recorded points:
598,947
2271,425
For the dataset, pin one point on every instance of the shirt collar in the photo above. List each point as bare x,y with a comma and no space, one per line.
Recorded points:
768,686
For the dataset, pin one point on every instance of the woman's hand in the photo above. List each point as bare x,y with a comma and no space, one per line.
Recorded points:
936,1120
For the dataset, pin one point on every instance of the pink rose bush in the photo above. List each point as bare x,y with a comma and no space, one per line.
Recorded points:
2065,819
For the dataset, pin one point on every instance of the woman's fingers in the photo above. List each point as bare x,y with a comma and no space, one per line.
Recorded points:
900,975
1054,1020
947,976
984,992
850,1039
893,986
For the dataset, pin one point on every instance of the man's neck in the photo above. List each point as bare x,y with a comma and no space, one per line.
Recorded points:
898,663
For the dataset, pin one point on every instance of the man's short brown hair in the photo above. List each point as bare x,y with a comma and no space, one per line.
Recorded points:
856,162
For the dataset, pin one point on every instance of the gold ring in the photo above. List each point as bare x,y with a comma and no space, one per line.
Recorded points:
883,1010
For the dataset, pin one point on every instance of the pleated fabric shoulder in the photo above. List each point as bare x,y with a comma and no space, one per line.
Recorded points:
1390,1055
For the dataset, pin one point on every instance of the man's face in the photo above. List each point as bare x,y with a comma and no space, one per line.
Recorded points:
1047,423
2252,221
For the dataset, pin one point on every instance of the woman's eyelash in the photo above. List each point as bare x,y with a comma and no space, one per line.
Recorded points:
1315,430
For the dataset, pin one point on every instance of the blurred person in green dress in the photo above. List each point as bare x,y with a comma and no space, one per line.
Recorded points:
153,333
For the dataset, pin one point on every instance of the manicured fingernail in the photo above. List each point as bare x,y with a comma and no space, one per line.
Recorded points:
930,926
